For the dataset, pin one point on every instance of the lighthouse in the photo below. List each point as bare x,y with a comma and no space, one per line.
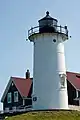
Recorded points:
49,69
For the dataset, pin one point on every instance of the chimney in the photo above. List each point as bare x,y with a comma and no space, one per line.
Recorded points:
27,74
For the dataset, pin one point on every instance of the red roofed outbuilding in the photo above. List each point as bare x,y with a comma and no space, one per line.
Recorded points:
19,91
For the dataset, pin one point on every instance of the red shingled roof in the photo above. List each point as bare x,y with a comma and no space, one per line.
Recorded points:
23,85
74,79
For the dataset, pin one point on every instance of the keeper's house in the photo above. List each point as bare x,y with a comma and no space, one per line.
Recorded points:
17,94
19,90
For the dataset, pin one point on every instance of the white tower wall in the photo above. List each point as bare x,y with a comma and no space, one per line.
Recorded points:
49,66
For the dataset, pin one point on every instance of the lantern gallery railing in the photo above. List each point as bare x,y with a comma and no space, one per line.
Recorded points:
58,29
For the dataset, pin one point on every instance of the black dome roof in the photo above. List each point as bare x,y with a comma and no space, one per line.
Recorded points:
48,17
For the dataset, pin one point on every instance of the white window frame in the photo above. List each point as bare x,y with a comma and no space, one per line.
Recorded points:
77,95
23,101
9,95
16,99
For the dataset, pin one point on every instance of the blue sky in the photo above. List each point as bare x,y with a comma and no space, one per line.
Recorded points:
16,17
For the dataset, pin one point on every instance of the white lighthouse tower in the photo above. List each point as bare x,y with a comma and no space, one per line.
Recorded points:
49,70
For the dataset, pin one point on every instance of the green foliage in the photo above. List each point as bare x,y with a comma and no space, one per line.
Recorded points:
49,115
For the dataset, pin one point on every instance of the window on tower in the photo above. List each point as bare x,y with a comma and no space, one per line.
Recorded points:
62,80
34,99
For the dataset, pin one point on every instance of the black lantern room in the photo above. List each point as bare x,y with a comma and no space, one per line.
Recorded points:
47,24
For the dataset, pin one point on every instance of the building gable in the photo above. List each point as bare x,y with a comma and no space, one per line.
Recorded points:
6,90
13,103
71,94
74,79
23,86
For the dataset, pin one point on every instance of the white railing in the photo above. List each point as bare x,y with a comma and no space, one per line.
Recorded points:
71,107
22,109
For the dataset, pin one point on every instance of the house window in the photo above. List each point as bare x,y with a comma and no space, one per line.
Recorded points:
16,96
9,98
23,101
77,95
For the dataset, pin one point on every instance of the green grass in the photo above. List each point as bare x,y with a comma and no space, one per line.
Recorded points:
52,115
